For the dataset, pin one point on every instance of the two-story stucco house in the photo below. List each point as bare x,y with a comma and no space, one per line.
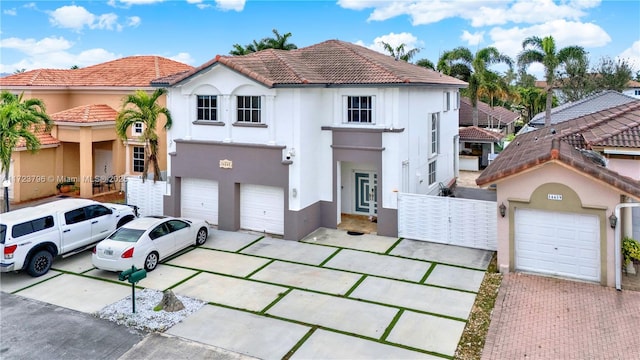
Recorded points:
285,142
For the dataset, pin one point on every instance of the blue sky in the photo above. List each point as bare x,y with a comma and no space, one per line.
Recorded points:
60,34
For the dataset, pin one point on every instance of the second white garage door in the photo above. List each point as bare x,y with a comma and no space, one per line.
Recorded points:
200,199
262,208
556,243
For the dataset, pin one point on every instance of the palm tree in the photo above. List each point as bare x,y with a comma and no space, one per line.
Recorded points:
140,107
461,63
543,51
426,63
280,42
18,120
399,52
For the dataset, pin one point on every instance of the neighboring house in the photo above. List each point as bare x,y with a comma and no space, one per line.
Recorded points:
591,104
83,104
285,142
559,186
496,117
633,89
478,147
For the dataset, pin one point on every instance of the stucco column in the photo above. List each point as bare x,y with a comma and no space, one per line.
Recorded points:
127,158
86,162
227,116
270,118
626,215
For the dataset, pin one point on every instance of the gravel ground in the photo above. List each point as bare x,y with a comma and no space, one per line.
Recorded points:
145,318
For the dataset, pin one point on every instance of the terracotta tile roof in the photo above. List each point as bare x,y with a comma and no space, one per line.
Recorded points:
44,136
133,71
633,84
499,114
474,133
590,104
86,114
558,143
332,62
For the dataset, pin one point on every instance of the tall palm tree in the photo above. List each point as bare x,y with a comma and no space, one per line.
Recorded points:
142,107
426,63
18,120
399,52
461,63
543,51
278,42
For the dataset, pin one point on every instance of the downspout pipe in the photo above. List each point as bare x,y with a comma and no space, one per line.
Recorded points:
618,243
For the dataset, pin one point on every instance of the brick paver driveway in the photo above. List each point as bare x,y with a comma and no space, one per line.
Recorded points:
545,318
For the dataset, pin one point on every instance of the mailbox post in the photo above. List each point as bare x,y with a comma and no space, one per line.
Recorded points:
133,275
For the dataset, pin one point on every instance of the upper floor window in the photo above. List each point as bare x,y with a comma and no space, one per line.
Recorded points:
249,109
447,101
457,100
360,109
137,128
637,92
207,107
435,133
432,172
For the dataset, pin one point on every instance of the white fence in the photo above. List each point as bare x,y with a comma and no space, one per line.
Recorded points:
447,220
148,196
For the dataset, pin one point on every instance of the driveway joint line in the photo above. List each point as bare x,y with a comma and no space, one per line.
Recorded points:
37,283
248,245
357,283
184,280
393,322
393,246
277,299
299,343
427,273
260,268
329,258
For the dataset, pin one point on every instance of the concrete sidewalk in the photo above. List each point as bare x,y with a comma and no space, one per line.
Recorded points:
330,296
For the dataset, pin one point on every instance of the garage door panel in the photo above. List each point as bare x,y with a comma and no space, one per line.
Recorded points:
262,208
199,199
555,243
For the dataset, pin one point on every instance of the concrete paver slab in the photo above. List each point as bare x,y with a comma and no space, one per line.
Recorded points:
334,312
380,265
225,290
240,331
290,250
447,254
219,261
416,296
229,240
340,238
161,278
455,277
307,277
427,332
330,345
77,292
10,282
77,263
163,346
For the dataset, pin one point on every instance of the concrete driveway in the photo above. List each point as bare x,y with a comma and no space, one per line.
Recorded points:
332,295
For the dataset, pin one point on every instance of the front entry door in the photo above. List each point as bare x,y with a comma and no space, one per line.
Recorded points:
366,193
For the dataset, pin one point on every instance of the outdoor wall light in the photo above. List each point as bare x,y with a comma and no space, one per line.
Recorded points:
613,220
503,210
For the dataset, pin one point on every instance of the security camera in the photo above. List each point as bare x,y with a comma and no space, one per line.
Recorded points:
289,155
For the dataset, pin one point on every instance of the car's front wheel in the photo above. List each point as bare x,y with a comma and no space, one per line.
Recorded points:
201,237
151,261
40,263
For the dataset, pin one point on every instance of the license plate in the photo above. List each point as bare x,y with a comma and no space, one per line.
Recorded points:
108,252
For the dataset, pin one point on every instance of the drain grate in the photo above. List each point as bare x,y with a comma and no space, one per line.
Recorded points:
355,233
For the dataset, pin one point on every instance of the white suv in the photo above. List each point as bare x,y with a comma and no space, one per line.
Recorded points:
31,237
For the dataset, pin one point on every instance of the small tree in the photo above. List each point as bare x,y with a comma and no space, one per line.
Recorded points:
140,107
18,120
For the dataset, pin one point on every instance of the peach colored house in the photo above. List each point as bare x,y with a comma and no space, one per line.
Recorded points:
560,187
83,143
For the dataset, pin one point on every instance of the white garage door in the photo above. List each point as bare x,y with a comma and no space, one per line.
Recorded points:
200,199
555,243
262,208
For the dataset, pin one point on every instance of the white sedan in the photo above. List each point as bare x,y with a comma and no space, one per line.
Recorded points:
146,241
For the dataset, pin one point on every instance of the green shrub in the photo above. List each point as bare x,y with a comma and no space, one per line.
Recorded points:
630,249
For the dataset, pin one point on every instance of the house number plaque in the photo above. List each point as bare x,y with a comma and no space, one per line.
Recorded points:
226,164
556,197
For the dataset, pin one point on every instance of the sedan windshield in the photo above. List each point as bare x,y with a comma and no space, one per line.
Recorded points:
126,235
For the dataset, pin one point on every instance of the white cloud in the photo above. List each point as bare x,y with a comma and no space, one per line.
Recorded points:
632,54
199,4
393,39
183,57
51,53
565,33
133,21
225,5
77,18
10,12
472,39
140,2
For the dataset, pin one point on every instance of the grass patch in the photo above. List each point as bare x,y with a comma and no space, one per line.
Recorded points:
475,332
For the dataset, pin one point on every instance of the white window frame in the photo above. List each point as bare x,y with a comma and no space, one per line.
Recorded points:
431,173
348,109
138,128
447,101
136,160
457,100
434,134
212,110
250,109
